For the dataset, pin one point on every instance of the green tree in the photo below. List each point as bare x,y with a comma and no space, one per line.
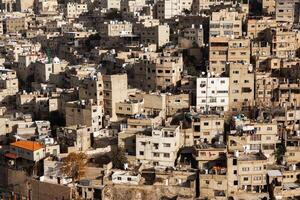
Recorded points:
279,153
118,158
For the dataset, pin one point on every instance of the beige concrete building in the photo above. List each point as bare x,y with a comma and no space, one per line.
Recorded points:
193,36
9,86
75,138
114,91
110,4
47,6
246,173
256,28
22,6
115,28
241,94
203,5
132,6
260,54
284,42
207,128
85,114
292,153
213,171
264,87
43,69
91,87
14,25
158,35
74,10
166,9
223,50
269,6
160,71
159,147
254,137
225,23
285,11
177,103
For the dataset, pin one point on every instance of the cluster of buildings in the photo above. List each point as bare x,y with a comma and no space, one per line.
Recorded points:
167,99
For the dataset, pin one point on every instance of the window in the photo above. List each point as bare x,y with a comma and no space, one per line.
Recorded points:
141,153
245,169
255,137
206,182
269,128
128,178
205,123
166,145
166,155
156,154
119,178
218,123
235,182
246,178
257,168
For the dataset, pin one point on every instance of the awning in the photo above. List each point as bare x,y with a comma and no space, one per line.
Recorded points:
11,155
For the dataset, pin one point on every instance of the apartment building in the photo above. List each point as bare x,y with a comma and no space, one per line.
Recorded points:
284,42
212,94
91,87
256,28
44,68
130,107
166,9
203,5
75,138
269,7
207,128
254,137
114,91
223,50
212,164
9,86
292,153
110,4
159,147
265,85
241,91
160,71
158,35
246,173
260,55
177,103
225,23
193,36
84,113
115,28
14,25
46,6
132,6
74,10
285,11
22,6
